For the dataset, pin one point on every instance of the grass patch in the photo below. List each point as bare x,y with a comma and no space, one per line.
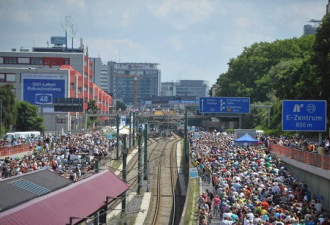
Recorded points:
115,164
192,206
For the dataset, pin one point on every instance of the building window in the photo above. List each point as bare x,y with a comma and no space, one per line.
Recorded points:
23,60
71,86
10,60
1,60
36,61
79,90
11,78
2,77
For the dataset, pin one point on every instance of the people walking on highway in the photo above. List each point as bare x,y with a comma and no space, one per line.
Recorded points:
252,185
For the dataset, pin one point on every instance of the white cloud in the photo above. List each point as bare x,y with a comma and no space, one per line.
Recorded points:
109,49
182,14
242,22
176,42
126,16
23,17
296,15
80,4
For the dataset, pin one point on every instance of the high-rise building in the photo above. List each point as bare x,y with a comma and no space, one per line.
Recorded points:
101,74
168,89
96,68
309,29
133,83
197,88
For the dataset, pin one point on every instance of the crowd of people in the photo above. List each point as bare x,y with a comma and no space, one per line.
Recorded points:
250,186
303,144
71,156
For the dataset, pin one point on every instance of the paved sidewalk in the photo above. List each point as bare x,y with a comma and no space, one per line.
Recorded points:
203,186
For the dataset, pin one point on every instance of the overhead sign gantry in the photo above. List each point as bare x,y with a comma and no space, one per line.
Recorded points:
229,105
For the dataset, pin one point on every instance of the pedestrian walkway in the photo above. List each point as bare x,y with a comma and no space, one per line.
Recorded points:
144,208
208,186
129,157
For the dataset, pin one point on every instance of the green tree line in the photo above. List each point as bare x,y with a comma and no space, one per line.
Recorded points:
18,115
296,68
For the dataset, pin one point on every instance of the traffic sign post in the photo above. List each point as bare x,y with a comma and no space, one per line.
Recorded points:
304,115
233,105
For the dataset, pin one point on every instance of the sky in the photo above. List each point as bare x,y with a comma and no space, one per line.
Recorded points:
190,39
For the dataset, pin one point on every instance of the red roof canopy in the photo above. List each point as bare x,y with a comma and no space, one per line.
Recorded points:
80,199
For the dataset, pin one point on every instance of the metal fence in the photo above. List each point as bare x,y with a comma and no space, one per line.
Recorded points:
314,159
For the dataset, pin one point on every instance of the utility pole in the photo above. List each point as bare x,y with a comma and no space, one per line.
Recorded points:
130,130
134,127
117,144
146,151
96,218
123,203
186,135
139,161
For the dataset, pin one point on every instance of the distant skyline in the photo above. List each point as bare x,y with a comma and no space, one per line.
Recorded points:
190,39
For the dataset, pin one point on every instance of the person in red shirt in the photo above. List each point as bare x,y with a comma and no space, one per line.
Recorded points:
204,196
264,205
248,193
216,204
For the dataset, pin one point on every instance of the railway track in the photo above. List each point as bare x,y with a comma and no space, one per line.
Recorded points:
162,208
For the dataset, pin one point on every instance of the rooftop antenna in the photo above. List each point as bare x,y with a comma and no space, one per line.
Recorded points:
66,27
73,34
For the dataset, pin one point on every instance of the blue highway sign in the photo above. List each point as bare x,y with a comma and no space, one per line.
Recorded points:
234,105
304,115
42,89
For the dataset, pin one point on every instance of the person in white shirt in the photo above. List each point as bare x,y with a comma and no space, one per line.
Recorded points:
275,188
227,214
226,221
318,206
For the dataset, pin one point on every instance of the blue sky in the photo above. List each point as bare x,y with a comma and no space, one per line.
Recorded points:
190,39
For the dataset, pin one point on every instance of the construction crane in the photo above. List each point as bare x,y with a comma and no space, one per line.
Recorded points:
316,22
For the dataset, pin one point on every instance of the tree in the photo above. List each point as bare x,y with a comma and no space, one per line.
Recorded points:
248,74
321,60
92,108
120,105
9,111
269,73
28,118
